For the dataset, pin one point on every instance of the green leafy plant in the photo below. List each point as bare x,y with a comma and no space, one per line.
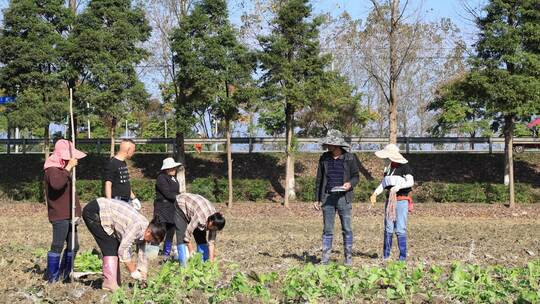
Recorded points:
87,261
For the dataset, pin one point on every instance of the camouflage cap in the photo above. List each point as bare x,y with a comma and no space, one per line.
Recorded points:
334,138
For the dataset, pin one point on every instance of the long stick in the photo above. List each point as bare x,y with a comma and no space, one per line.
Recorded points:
73,180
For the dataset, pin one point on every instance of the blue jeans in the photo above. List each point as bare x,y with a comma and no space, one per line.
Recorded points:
399,226
331,204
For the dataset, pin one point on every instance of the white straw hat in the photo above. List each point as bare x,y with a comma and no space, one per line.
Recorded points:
391,152
169,163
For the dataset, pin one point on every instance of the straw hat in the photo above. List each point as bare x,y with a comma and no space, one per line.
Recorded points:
334,138
391,152
169,163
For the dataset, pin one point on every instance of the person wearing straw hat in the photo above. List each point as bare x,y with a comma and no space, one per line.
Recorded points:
167,188
398,181
58,168
337,175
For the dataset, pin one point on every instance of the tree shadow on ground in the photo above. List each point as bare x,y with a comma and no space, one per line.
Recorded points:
305,257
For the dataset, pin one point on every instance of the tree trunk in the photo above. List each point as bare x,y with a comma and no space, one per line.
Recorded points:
46,147
289,165
471,145
8,146
392,106
181,158
73,6
111,134
509,157
229,161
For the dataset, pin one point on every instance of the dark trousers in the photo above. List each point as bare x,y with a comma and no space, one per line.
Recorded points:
169,235
332,203
108,244
181,223
62,234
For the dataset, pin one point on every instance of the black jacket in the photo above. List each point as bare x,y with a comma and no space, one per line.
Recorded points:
166,191
350,174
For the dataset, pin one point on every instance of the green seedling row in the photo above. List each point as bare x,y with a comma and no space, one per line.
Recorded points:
396,283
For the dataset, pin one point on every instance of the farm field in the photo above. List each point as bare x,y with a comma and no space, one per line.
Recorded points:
263,243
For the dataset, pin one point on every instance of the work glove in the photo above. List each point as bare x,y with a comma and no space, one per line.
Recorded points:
136,203
136,275
78,220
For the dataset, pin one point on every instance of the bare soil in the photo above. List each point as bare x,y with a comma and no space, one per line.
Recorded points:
267,237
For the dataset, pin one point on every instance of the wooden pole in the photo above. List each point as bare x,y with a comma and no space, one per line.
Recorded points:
73,180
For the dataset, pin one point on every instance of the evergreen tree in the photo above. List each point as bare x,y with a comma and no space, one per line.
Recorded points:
296,77
228,67
31,65
213,69
104,49
505,74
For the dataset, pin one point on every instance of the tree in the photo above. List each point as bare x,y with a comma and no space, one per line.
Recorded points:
227,68
457,113
507,70
505,74
296,75
165,16
335,106
105,49
359,48
214,69
30,60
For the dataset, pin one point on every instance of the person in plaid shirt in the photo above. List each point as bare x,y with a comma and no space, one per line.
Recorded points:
116,226
195,216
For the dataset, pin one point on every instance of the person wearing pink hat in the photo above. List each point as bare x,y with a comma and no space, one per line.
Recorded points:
58,168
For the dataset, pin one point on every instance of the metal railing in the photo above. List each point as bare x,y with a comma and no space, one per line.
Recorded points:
277,144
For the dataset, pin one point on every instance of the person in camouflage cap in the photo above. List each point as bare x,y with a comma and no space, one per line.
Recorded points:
337,174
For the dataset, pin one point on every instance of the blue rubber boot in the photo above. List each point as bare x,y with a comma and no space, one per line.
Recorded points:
53,266
326,248
203,249
402,244
347,248
66,264
387,246
183,254
167,248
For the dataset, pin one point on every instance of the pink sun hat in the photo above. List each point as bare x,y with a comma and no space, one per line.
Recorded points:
67,151
63,150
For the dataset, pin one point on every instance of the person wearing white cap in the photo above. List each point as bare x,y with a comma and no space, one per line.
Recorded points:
398,181
167,189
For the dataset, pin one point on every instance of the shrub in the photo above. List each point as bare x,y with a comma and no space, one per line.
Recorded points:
305,189
215,189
